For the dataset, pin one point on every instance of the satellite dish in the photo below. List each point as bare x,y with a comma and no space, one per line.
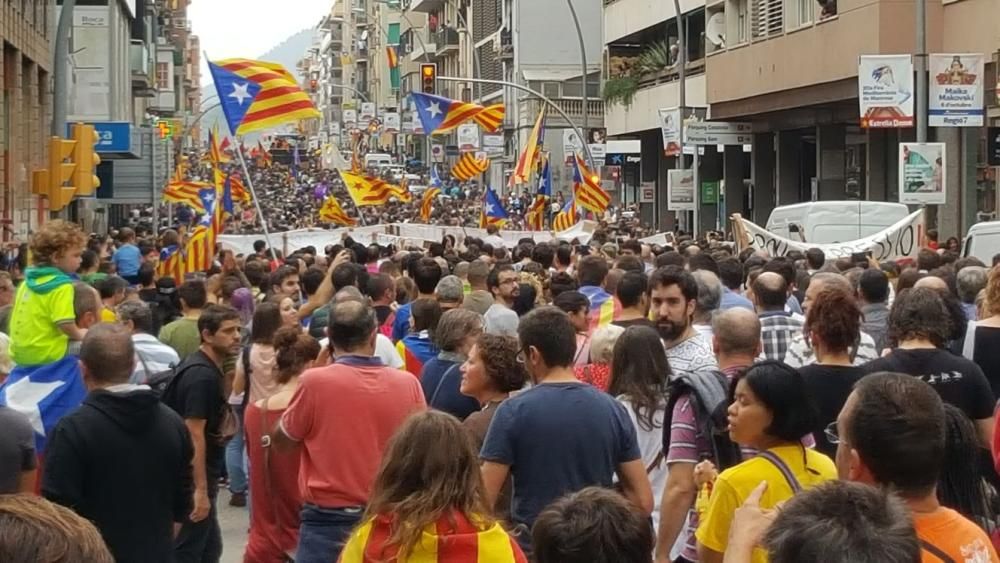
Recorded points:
715,29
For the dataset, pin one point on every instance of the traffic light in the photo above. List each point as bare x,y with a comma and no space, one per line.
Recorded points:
428,78
86,160
59,173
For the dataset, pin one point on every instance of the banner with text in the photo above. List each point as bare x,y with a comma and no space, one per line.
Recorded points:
956,92
901,240
885,91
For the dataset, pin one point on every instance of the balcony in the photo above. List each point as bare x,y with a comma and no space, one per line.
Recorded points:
139,65
643,114
798,35
423,51
445,40
626,17
426,6
164,102
573,107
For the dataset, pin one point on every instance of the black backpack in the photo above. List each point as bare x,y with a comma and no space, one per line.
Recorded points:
709,394
164,383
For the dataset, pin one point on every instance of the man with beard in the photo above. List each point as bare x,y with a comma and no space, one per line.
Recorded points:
673,295
500,318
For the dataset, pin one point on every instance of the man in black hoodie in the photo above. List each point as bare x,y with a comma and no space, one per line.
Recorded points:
123,459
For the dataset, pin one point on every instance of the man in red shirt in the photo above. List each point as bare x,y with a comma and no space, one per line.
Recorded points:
343,416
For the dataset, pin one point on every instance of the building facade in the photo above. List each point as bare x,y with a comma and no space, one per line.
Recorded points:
25,111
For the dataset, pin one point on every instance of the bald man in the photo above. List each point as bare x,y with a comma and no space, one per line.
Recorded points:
384,348
123,456
778,326
800,354
736,343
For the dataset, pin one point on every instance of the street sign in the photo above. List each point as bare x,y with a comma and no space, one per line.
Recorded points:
451,150
437,153
718,133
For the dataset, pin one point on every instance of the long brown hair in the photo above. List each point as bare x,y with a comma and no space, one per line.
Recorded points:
430,468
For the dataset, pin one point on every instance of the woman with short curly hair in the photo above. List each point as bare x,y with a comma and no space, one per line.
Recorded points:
490,374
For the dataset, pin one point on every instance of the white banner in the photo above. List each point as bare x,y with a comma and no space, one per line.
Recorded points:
680,190
493,144
956,90
885,91
901,240
468,137
922,173
391,123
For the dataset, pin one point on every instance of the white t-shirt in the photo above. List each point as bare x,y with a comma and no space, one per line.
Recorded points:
495,241
384,350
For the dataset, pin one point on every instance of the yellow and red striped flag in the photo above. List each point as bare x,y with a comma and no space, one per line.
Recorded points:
469,167
427,203
587,188
369,190
566,217
452,539
215,154
239,190
439,114
258,95
172,264
187,193
390,52
200,248
332,212
531,155
264,155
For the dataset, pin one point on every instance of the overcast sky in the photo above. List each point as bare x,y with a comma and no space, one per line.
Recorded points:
249,28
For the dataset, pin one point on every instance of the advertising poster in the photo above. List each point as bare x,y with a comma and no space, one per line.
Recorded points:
571,145
597,142
493,144
670,128
350,119
90,83
680,190
885,91
922,173
956,90
468,137
391,123
367,113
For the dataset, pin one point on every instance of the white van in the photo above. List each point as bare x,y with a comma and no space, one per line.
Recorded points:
824,222
983,241
377,160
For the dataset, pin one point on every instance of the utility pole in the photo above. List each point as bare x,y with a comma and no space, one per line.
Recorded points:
583,64
682,88
921,60
60,67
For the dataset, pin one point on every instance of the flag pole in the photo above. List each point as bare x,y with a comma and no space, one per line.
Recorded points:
256,203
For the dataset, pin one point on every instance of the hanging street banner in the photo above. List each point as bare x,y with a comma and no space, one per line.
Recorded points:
670,120
350,118
468,137
391,122
367,113
885,91
901,240
956,90
493,144
922,173
680,190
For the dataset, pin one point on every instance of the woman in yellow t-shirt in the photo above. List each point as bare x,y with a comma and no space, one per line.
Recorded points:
770,412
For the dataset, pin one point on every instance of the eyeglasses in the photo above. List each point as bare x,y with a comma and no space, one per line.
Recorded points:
831,433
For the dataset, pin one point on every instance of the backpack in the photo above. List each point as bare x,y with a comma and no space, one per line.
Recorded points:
709,394
164,383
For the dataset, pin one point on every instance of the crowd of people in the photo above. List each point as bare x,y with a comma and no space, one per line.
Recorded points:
552,402
291,196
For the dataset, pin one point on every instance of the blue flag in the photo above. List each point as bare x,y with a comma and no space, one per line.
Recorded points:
45,394
492,207
435,178
545,181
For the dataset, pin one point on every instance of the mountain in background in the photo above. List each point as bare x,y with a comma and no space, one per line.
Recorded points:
288,53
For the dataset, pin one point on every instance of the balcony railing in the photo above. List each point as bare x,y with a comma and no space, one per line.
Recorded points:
139,59
573,107
445,39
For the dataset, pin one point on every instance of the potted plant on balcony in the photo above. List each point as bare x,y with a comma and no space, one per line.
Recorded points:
625,73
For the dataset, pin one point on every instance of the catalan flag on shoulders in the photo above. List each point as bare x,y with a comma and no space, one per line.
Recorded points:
258,95
441,115
566,218
200,248
369,190
468,167
452,539
172,264
427,203
527,163
332,212
493,212
186,193
587,188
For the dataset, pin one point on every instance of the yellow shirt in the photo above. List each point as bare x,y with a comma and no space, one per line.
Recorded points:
735,484
108,315
35,338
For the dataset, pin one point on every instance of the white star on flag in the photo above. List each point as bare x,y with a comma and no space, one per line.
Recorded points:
24,396
489,208
434,108
240,92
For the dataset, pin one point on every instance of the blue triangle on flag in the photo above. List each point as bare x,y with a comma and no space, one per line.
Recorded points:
236,94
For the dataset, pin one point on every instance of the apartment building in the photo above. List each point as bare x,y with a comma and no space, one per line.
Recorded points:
25,110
